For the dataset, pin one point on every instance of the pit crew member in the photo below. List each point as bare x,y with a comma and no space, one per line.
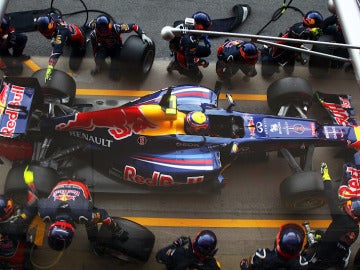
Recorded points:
286,253
275,56
183,254
62,34
68,204
106,41
235,55
14,248
187,51
334,245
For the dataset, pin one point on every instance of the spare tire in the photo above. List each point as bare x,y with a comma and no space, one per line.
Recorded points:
60,88
137,57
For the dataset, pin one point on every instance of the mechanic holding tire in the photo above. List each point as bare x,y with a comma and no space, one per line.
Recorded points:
106,41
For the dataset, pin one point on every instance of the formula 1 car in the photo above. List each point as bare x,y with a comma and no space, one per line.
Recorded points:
144,143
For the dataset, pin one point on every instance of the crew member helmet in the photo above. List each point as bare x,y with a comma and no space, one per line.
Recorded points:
249,52
103,25
289,240
204,244
46,25
352,208
60,235
197,123
202,20
6,208
313,19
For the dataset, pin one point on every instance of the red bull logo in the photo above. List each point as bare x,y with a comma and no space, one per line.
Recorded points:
340,115
157,178
120,122
65,195
11,114
352,189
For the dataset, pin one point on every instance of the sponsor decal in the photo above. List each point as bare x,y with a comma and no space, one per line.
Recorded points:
142,140
12,113
187,144
157,178
340,115
251,126
90,138
120,122
65,194
352,188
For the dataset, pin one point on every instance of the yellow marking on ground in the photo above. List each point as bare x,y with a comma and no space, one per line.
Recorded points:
139,93
222,223
32,65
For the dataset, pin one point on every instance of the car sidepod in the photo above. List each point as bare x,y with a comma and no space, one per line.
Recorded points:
173,168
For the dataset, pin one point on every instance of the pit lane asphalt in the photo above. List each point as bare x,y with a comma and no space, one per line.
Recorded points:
248,212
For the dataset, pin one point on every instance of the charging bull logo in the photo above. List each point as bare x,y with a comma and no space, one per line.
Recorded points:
120,122
3,97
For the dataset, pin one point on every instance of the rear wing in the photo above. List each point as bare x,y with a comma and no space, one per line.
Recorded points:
338,107
16,100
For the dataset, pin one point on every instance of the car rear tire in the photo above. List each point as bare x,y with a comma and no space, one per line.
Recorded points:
138,246
302,191
289,90
61,88
319,66
137,57
15,187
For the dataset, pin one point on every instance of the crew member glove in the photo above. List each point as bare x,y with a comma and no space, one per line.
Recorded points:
202,62
48,72
145,38
207,41
28,176
244,264
181,241
316,32
325,172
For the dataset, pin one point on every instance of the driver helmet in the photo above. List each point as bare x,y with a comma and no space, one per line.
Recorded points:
6,208
204,244
249,52
312,19
103,25
46,25
60,235
352,208
202,20
289,240
197,123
